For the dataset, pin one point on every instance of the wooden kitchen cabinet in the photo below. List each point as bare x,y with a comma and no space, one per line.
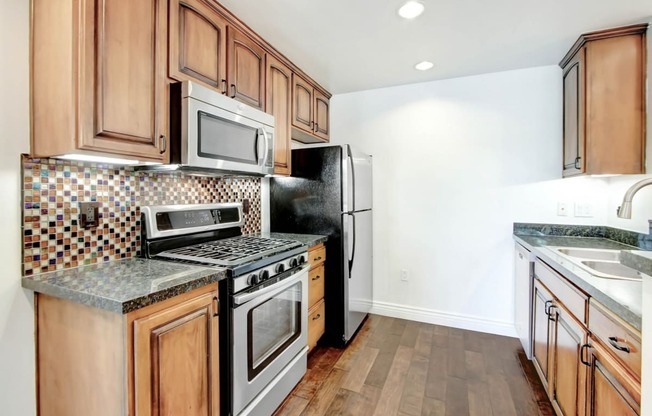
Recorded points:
541,331
310,112
604,77
158,360
99,82
197,45
316,305
279,104
246,69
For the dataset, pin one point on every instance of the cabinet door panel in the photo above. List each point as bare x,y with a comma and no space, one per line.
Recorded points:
541,331
176,360
569,378
197,43
573,117
126,88
246,62
279,104
303,104
322,122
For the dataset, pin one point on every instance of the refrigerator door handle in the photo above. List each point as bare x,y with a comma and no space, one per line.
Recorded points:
352,164
353,250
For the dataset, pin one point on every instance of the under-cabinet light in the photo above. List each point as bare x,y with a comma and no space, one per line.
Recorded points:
411,9
103,159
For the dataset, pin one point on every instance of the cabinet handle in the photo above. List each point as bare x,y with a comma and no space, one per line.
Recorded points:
316,278
585,362
316,317
316,127
317,258
163,143
216,306
546,307
234,89
577,162
224,87
616,344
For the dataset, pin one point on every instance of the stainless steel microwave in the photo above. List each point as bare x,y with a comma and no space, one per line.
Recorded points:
213,132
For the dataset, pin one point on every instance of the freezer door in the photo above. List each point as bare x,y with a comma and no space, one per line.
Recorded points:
358,180
358,284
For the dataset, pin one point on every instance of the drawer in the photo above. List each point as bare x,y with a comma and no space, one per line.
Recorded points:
316,324
317,255
316,285
610,329
575,301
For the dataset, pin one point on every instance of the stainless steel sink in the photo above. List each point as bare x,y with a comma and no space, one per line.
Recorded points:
590,253
612,270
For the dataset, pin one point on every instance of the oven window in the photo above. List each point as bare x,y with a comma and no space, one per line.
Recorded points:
272,327
226,140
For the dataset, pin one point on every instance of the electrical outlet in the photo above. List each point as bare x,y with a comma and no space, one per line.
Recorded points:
89,214
562,209
404,275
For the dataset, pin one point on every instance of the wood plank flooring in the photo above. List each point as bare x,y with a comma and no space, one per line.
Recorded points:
405,368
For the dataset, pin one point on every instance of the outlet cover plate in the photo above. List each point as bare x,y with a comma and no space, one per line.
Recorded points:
89,214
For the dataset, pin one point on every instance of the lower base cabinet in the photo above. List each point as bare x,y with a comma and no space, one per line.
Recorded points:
158,360
316,305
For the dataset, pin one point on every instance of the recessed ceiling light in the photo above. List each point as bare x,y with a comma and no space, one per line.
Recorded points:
424,66
411,9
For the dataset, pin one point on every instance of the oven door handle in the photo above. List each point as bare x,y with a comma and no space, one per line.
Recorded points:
276,287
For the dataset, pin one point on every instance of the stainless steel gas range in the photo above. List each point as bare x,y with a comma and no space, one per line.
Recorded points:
263,302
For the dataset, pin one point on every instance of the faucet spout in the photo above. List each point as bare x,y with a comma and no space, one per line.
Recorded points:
625,209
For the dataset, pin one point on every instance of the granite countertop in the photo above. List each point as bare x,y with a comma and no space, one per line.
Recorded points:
623,297
123,286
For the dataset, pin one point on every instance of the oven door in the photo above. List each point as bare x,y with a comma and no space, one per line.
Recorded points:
270,328
219,139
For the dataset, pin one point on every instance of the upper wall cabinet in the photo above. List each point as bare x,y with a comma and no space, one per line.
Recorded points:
99,80
197,44
604,103
246,66
310,115
279,104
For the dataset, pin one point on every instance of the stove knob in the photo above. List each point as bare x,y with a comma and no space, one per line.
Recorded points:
293,263
280,268
253,279
302,260
264,275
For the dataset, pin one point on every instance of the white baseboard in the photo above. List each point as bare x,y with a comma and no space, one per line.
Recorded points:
472,323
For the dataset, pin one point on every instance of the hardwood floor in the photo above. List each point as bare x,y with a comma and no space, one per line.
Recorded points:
405,368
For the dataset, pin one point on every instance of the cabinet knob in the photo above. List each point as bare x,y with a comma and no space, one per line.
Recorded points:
163,144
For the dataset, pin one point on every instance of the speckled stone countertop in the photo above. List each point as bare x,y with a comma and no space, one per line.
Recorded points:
623,297
123,286
306,239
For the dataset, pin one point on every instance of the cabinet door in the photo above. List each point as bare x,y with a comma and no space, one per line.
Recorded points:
322,121
302,106
279,104
246,69
568,374
123,78
541,331
176,360
611,390
574,116
197,43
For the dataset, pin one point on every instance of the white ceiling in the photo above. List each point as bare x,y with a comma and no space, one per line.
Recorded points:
352,45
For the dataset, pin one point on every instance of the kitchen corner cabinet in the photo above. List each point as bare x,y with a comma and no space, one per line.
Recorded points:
604,76
246,69
98,79
310,112
197,44
316,305
279,104
158,360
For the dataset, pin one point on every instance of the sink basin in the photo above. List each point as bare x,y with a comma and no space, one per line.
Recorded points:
612,270
590,253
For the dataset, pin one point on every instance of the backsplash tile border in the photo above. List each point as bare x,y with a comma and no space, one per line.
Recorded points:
53,188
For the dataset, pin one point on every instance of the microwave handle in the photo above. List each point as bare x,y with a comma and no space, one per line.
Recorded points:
263,159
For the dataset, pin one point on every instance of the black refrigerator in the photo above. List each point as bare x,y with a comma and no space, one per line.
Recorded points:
330,193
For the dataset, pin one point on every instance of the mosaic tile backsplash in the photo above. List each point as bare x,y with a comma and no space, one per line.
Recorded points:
53,189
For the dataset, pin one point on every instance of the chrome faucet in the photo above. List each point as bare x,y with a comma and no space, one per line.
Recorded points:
625,209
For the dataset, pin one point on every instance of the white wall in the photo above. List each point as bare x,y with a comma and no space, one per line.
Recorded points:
17,379
456,162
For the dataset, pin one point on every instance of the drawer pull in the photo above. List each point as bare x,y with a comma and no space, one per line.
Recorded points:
314,318
585,362
316,278
317,258
614,343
